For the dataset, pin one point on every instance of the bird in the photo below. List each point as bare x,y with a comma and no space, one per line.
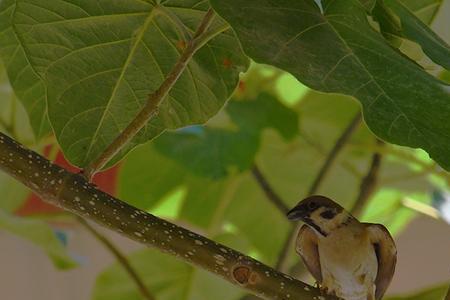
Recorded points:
349,259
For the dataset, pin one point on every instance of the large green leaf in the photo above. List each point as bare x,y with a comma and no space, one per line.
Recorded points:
414,29
402,103
27,85
102,59
40,234
167,279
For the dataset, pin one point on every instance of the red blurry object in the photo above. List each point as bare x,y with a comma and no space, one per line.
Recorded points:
106,181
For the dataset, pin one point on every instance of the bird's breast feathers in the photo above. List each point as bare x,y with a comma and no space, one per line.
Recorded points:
349,263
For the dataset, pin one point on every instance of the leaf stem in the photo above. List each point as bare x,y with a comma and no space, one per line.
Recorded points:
121,258
74,193
268,190
150,109
329,161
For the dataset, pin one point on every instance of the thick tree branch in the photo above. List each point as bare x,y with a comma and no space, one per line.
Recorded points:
368,183
329,161
73,193
121,258
150,109
268,190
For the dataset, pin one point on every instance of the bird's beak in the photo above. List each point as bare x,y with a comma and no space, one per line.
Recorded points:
296,214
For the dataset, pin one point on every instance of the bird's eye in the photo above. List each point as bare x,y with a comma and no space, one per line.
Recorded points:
312,205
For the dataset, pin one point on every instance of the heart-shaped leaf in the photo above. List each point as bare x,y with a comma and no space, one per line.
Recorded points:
402,103
101,60
27,85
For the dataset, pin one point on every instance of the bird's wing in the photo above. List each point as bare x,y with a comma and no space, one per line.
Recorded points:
386,255
306,247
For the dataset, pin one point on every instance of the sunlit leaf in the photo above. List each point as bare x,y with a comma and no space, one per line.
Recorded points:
100,61
402,103
425,10
413,28
27,84
386,208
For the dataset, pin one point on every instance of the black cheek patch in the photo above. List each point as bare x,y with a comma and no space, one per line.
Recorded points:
328,214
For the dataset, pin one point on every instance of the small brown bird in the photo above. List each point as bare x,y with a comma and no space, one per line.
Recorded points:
349,259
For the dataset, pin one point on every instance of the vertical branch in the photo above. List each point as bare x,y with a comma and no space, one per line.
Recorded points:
150,109
333,154
121,258
329,161
268,190
369,182
74,193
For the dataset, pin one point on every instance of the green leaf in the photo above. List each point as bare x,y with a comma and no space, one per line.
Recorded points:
266,111
368,4
166,278
148,179
13,117
402,103
425,10
214,152
435,293
386,208
414,29
209,152
14,193
101,60
40,234
27,84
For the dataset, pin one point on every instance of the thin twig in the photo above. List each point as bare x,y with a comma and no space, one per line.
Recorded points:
448,295
329,161
121,258
268,190
74,193
333,154
150,109
368,183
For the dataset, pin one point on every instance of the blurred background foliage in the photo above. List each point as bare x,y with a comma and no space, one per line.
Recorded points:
201,177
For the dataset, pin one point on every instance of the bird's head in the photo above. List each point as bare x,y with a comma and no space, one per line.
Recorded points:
321,213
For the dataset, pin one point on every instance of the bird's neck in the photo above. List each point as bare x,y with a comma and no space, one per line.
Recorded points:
326,227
